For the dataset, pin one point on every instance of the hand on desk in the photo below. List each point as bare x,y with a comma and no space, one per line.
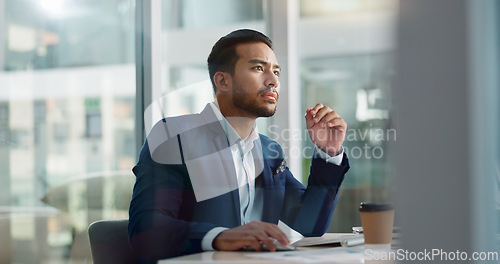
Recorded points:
250,235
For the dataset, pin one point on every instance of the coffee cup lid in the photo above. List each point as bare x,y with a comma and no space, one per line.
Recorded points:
374,207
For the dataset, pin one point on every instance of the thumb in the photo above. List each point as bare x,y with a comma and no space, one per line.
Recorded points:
309,118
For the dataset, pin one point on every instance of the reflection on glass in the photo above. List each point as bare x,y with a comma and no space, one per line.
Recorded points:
319,8
190,28
347,63
195,14
67,107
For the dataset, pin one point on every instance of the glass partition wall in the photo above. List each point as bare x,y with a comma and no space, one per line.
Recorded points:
70,121
189,30
345,60
67,110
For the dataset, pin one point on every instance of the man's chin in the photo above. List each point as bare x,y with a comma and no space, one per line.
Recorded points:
267,113
256,108
267,110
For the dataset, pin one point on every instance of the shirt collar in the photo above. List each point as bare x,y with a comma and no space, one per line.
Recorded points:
231,134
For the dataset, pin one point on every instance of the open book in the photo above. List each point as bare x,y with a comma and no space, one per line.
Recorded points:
331,239
328,239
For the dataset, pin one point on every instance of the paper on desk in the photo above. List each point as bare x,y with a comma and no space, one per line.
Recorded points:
328,255
292,235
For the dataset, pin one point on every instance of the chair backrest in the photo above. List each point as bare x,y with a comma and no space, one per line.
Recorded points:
109,242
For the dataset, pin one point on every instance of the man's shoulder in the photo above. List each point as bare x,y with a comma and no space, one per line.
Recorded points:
161,143
182,123
178,124
188,118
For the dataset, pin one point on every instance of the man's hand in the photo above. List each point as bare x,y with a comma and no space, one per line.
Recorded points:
326,128
250,235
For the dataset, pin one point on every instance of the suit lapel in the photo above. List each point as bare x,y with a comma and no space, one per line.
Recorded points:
267,184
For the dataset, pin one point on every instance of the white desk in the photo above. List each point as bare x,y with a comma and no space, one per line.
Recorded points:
321,254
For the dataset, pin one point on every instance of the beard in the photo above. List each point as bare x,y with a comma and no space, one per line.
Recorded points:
251,105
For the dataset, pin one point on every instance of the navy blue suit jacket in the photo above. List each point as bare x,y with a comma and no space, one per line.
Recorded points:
167,220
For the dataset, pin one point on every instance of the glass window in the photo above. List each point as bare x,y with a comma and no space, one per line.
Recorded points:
346,62
67,108
189,30
198,14
67,33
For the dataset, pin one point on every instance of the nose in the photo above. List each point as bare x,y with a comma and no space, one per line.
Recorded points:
272,81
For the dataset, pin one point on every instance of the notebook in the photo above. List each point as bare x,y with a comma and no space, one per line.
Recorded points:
331,239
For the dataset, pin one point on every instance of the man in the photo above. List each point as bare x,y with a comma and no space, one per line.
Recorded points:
209,181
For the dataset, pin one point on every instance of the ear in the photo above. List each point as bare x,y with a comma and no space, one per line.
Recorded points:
223,81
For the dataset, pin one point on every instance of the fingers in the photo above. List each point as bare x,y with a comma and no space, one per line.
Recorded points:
254,234
315,109
268,241
275,232
238,243
266,233
334,120
259,233
312,114
235,239
309,118
321,113
324,116
253,243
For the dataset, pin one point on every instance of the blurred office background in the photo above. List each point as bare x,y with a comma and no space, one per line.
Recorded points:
81,82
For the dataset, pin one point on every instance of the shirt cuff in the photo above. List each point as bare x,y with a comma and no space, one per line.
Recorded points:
337,160
206,242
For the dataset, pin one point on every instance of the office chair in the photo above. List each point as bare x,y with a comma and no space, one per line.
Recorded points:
109,242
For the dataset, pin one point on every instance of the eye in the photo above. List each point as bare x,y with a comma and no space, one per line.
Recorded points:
259,68
277,73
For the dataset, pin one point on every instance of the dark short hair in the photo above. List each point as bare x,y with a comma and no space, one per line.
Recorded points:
223,56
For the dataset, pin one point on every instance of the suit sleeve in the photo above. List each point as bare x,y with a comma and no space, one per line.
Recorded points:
161,208
309,210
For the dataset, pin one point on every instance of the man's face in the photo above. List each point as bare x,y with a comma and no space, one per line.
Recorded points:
255,81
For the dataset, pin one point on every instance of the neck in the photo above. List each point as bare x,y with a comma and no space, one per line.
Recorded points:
241,122
242,125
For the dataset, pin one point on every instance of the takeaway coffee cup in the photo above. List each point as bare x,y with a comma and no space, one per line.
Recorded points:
377,221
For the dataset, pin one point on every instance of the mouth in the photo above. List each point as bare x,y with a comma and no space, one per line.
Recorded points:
270,96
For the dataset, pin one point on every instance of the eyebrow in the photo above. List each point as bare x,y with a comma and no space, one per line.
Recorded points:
276,66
